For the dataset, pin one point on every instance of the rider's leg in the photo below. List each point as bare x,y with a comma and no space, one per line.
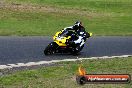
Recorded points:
78,40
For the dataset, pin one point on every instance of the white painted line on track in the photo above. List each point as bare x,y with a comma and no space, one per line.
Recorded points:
4,67
9,66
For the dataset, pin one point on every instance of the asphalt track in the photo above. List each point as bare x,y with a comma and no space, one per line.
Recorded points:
30,49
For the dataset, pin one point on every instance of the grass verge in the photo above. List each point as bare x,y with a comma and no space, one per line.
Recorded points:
45,17
62,75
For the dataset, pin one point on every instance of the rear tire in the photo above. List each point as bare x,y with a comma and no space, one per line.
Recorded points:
75,52
81,47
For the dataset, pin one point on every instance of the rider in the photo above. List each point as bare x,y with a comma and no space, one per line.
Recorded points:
80,31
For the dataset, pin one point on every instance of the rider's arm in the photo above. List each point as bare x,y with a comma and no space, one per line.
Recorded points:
69,28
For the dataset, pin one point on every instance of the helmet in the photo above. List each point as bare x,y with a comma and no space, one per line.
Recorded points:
77,24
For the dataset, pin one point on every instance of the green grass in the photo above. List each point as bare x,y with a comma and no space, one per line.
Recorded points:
63,74
111,17
101,5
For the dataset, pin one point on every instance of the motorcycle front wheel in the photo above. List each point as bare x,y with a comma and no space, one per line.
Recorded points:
50,49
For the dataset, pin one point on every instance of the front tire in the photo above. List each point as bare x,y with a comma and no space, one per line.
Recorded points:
50,49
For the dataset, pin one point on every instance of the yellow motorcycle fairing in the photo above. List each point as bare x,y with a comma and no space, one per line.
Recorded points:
91,34
60,40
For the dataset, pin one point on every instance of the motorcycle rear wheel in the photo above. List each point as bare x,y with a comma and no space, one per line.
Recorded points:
74,52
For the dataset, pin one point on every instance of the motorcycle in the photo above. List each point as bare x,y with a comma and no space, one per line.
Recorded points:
62,43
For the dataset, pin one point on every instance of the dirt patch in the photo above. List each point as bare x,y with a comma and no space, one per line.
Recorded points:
52,9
